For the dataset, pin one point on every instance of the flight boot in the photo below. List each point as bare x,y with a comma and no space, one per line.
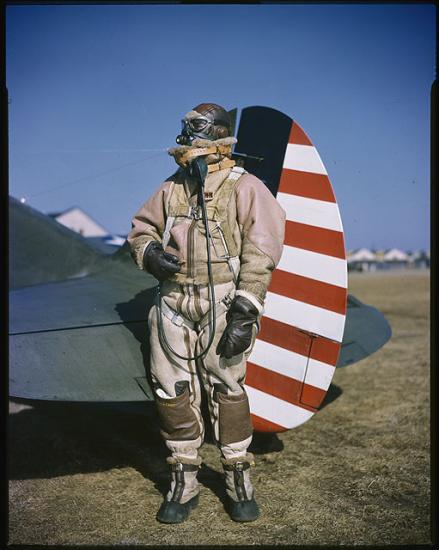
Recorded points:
241,504
183,494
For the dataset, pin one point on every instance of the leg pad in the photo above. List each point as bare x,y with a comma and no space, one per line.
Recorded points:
234,418
177,419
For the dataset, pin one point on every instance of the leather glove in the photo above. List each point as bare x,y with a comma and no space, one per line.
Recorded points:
238,334
159,263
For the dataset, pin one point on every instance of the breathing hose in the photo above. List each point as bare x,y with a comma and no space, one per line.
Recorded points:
200,167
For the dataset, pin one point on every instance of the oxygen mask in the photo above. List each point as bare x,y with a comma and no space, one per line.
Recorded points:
195,126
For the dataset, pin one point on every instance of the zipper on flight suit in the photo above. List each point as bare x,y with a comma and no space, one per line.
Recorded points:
190,249
191,241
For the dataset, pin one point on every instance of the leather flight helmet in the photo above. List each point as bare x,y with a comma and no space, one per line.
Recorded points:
205,121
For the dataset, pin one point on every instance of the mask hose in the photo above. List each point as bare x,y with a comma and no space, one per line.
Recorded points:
199,168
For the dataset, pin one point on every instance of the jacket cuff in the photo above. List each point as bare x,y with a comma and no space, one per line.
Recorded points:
251,298
139,253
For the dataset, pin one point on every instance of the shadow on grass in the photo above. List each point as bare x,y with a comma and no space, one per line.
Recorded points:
332,394
54,439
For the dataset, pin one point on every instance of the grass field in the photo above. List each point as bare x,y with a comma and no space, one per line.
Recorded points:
356,473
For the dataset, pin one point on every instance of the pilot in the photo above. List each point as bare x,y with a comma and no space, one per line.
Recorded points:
211,298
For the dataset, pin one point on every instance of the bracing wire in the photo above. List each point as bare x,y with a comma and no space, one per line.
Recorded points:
96,151
98,175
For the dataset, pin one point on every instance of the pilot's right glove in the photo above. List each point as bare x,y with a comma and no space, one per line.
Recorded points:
159,263
238,334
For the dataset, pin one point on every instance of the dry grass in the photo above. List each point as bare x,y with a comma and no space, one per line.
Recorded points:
357,473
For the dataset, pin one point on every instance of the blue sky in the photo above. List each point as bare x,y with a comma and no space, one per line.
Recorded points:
97,94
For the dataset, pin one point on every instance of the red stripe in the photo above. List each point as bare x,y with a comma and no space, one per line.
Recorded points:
288,337
285,336
263,425
316,239
297,135
306,184
283,387
325,351
312,396
309,291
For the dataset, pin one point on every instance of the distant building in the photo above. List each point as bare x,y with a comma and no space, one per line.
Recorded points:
77,220
419,259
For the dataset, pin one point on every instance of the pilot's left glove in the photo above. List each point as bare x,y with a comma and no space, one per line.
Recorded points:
238,334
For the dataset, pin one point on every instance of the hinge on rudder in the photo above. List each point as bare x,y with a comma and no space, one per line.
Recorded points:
314,381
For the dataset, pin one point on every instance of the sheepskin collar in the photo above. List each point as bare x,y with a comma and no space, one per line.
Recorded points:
202,147
203,143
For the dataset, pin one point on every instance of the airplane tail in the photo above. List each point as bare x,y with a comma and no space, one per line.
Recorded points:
302,330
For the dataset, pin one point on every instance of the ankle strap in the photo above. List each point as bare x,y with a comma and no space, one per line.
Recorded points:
239,466
181,467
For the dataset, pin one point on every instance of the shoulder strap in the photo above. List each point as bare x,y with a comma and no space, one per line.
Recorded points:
221,202
169,218
226,188
177,201
171,192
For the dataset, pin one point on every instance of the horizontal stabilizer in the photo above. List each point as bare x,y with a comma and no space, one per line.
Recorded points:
366,331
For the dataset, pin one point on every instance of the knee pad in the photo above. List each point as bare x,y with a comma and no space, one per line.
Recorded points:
234,418
177,419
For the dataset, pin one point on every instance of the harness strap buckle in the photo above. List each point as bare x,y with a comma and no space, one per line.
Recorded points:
176,319
174,316
194,212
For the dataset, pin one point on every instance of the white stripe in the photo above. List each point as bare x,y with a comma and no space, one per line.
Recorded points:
304,158
313,265
305,316
279,360
311,211
292,364
319,374
276,410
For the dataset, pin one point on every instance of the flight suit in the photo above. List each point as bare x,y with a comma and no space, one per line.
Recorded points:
247,231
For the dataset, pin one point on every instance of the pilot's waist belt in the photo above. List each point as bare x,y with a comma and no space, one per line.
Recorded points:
220,307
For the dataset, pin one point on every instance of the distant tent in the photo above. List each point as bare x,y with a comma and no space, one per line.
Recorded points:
361,259
392,258
395,255
361,255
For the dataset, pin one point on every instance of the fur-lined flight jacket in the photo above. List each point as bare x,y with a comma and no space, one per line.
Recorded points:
254,218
